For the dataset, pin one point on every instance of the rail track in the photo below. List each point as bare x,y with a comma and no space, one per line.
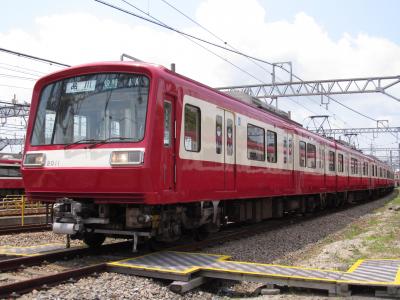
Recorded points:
25,228
230,233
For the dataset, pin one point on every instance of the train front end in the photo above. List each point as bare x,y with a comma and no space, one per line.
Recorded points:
86,149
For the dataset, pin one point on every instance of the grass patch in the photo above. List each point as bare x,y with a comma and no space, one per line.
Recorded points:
353,231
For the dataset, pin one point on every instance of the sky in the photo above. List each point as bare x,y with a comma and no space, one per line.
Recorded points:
323,40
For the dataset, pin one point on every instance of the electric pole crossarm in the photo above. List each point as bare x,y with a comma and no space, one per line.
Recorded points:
319,87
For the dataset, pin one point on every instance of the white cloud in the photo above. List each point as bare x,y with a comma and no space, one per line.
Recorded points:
79,38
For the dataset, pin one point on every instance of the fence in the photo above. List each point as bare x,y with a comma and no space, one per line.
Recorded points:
15,205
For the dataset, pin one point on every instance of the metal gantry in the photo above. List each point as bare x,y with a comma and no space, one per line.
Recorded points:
16,111
11,142
373,130
319,87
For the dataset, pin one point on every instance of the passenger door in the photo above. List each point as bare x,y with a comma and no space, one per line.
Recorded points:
230,151
225,146
168,157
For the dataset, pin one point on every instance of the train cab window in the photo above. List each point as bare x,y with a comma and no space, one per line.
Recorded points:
218,134
331,161
302,154
271,147
80,127
255,143
85,108
311,156
167,123
340,163
192,128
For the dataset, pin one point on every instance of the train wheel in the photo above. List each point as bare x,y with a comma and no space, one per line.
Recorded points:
201,233
94,240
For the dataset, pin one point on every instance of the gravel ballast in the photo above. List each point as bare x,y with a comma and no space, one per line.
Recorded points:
278,245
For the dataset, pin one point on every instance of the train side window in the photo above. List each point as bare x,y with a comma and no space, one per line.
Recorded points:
192,128
354,166
340,163
302,153
331,161
229,137
167,123
311,156
255,143
365,169
218,134
271,147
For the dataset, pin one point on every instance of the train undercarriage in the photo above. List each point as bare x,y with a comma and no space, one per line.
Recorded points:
92,223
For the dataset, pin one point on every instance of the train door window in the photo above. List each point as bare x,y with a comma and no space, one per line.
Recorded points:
302,153
331,161
271,147
380,172
218,134
255,143
167,123
290,150
311,156
229,137
340,163
192,128
320,157
285,149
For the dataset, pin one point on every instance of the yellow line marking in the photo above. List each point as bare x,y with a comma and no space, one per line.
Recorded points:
355,266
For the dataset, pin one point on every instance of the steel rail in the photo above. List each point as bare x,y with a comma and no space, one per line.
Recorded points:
16,263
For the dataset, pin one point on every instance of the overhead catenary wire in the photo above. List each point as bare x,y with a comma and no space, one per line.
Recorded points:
210,51
226,43
43,60
23,68
210,43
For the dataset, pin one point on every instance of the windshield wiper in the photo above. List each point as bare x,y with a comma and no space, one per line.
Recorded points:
116,138
82,141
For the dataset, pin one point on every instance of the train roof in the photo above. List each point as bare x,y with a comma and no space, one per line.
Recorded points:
279,119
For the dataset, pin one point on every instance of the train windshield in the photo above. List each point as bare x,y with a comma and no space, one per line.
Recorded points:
98,107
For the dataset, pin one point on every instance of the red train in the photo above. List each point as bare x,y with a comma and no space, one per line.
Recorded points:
10,177
134,149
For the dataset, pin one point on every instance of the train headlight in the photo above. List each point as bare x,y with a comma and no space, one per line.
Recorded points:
34,160
121,158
